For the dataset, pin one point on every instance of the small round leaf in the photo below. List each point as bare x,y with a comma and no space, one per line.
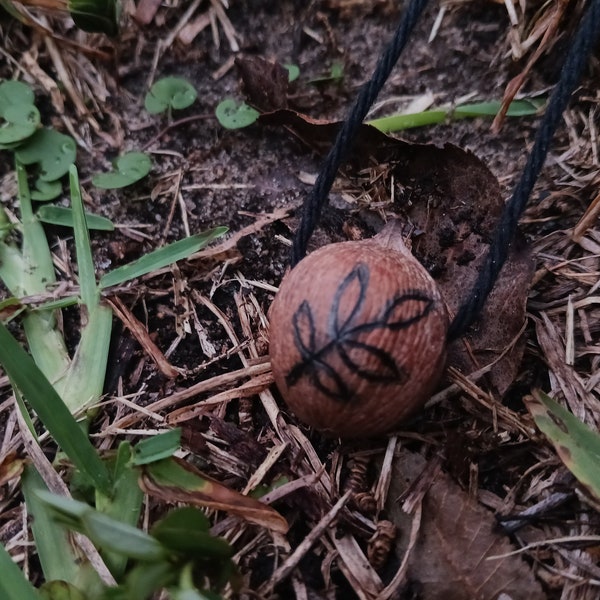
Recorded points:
235,116
293,72
51,150
20,122
129,168
15,93
173,92
46,190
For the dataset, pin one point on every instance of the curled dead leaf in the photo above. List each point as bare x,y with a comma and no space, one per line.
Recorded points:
175,480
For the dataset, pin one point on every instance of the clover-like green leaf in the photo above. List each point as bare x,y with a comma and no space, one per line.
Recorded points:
54,152
129,168
169,92
20,122
293,72
235,116
336,74
46,190
15,93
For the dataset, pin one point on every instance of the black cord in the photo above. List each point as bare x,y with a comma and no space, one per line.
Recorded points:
576,60
347,134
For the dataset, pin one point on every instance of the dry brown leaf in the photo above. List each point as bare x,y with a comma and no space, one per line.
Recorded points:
499,338
11,466
174,480
451,559
265,82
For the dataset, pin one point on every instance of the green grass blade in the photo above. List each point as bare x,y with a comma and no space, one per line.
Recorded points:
7,5
410,121
125,502
104,531
52,411
157,447
45,341
39,272
12,266
61,215
517,108
59,559
54,551
13,584
46,344
28,272
90,294
83,382
576,444
161,258
54,304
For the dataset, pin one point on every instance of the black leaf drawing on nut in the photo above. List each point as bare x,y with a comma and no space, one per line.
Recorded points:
342,337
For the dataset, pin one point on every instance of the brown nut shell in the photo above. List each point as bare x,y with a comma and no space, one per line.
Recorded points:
358,336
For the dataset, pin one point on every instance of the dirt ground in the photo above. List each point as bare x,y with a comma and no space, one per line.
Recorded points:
457,480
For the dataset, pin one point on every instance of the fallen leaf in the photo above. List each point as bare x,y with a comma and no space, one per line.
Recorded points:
174,480
266,82
576,444
451,559
455,201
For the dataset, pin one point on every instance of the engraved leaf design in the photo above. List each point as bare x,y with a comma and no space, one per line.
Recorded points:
304,330
328,381
396,315
343,329
382,366
352,292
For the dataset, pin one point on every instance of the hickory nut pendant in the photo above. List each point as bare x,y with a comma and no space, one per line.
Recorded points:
358,336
